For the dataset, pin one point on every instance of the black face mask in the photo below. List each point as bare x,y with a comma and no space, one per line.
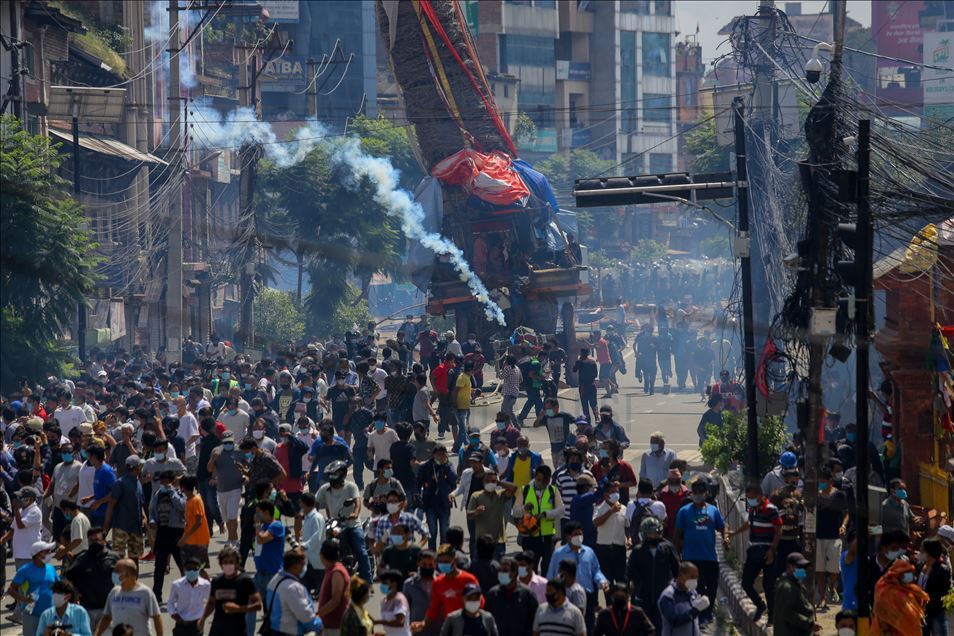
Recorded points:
427,573
620,602
551,598
606,419
96,548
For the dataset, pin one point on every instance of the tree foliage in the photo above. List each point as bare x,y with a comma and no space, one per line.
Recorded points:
703,149
278,318
561,170
48,262
337,317
647,251
725,446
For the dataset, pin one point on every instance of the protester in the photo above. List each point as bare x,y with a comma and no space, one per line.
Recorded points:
794,615
130,602
65,612
32,586
187,600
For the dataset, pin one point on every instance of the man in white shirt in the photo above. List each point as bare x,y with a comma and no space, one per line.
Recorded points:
379,375
79,527
187,599
27,521
81,402
188,431
68,415
234,418
63,485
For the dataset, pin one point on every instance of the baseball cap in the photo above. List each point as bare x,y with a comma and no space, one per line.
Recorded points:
473,430
581,420
35,424
797,558
228,435
946,532
28,491
471,588
134,461
284,428
40,546
86,428
476,457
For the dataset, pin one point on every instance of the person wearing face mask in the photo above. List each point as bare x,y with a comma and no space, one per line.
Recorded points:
167,521
225,475
512,604
681,605
504,430
794,614
846,622
376,494
764,526
328,448
470,619
674,495
473,447
400,554
612,467
899,603
262,440
696,526
447,591
540,505
63,484
65,612
656,461
895,511
523,465
32,585
161,462
651,566
187,600
232,599
394,606
558,617
606,428
130,602
588,573
396,515
91,572
437,480
934,577
622,618
380,440
558,428
487,510
79,525
566,476
26,525
234,418
418,587
611,523
832,523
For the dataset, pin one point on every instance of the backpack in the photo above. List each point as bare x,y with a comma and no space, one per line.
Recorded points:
266,628
164,507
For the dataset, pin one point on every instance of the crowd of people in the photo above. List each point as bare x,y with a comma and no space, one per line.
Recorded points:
140,462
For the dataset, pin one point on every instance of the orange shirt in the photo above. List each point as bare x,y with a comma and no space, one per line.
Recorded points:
195,511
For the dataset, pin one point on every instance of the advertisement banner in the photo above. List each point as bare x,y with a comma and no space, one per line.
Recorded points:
285,73
897,28
285,11
938,82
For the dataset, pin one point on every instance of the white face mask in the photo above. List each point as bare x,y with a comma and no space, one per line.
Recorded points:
472,606
692,584
59,600
577,540
258,434
393,507
491,487
643,501
846,631
614,497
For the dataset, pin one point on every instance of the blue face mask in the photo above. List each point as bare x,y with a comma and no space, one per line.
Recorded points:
474,441
249,456
501,426
379,425
192,576
503,578
752,502
550,412
444,568
901,493
385,589
248,387
388,473
116,580
229,446
173,394
226,376
397,539
67,457
823,485
272,495
893,554
851,436
83,454
800,573
907,577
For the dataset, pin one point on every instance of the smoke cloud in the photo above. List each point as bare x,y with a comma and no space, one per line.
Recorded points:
240,126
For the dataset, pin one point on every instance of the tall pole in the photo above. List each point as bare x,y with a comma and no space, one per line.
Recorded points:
249,159
863,321
81,309
752,473
822,155
174,254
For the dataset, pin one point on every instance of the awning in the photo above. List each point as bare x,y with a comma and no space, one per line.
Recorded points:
108,146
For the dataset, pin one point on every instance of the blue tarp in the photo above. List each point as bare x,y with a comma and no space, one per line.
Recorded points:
537,183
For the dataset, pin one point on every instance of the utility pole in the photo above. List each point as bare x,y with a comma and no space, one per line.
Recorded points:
743,251
248,156
174,253
81,310
821,131
864,255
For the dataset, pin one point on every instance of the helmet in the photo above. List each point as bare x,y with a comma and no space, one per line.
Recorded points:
336,470
649,526
788,459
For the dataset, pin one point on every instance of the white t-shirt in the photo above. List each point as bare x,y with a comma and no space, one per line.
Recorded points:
65,477
69,418
86,475
188,427
381,443
79,526
25,537
379,375
613,530
391,609
656,509
237,423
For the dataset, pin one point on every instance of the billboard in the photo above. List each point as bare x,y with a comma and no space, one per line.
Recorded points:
897,32
938,82
286,73
285,11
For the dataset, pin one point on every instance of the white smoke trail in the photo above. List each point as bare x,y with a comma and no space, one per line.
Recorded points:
241,126
157,32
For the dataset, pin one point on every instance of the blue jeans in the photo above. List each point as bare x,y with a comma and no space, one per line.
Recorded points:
208,493
463,418
438,521
360,454
935,624
533,400
355,536
261,584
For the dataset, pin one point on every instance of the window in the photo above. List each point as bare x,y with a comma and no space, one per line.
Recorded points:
627,78
660,163
632,163
634,6
656,54
657,108
524,50
663,7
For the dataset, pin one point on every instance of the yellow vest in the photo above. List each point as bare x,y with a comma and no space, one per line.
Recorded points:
533,507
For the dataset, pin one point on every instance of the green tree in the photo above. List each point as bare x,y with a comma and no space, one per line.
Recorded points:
703,149
48,262
715,246
348,310
725,446
278,318
526,130
561,170
647,251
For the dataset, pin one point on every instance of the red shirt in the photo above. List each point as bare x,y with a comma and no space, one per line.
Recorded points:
440,378
622,473
447,595
602,351
673,502
289,484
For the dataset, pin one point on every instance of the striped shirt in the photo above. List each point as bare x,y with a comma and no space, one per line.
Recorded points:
562,621
763,519
511,378
566,484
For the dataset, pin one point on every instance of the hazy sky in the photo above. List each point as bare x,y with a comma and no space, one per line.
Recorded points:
711,15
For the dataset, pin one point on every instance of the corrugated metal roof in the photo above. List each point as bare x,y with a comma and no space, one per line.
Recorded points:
108,146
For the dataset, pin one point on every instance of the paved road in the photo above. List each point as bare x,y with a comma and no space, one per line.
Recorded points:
676,415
